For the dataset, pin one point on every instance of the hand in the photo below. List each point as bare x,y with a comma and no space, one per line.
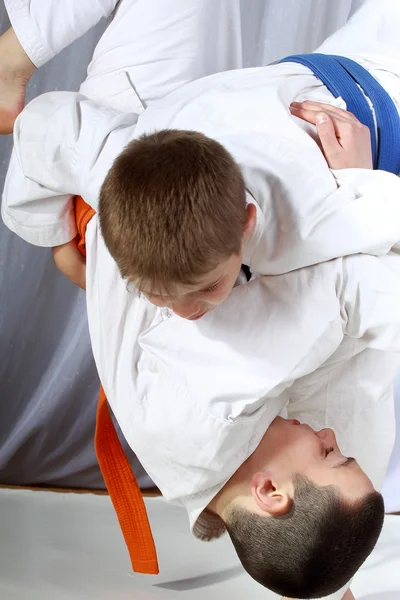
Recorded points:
71,263
15,71
346,143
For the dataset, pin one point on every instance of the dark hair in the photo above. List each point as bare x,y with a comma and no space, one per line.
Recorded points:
314,549
171,207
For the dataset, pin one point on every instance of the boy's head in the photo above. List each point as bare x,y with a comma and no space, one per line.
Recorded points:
302,517
174,217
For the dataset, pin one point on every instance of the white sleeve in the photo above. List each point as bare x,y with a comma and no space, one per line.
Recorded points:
64,145
375,197
312,216
361,216
45,27
369,294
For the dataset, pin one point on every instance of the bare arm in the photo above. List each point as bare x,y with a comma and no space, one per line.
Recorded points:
16,69
71,263
41,29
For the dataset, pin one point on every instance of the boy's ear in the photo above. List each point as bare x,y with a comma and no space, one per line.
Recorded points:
251,219
269,497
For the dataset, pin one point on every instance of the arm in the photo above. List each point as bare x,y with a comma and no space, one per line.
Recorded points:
356,210
64,145
41,29
71,263
346,146
314,214
16,69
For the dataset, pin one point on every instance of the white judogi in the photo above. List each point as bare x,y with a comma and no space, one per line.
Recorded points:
149,49
305,212
44,27
195,398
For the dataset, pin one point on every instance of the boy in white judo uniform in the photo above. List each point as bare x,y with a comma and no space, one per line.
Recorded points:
316,330
271,202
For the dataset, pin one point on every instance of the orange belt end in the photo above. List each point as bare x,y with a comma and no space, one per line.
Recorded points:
120,481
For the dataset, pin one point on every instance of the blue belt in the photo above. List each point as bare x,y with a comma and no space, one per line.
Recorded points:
341,76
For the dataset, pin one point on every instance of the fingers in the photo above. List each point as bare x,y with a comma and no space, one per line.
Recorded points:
315,107
325,127
327,135
345,142
304,114
311,115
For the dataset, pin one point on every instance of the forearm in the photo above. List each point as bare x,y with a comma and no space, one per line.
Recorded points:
13,56
71,263
15,70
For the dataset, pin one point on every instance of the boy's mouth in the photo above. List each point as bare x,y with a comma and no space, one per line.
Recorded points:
197,316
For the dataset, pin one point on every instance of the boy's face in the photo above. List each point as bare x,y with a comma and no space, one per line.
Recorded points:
293,448
194,301
316,454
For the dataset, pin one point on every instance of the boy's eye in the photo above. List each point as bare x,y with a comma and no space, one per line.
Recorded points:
212,288
328,451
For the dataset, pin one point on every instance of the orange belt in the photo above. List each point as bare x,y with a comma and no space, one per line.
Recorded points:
121,483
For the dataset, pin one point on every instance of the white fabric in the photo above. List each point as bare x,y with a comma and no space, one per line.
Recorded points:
45,27
192,410
151,48
305,212
391,488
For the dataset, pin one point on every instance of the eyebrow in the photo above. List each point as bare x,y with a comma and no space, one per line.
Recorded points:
147,293
203,289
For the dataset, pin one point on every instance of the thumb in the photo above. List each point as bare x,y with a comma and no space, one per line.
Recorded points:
327,135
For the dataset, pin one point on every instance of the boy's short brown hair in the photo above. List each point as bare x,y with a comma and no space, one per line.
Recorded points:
172,207
314,549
